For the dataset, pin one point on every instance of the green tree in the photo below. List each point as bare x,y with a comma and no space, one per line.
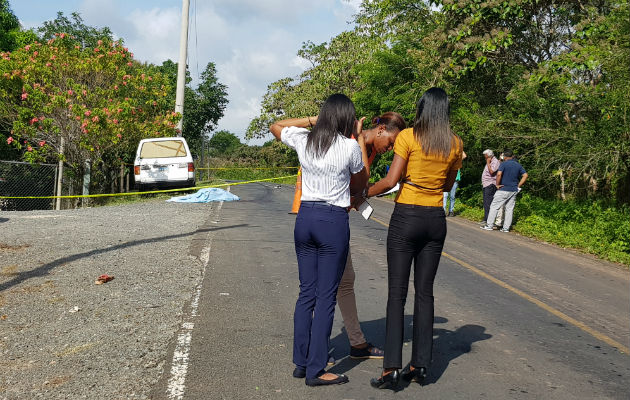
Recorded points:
98,100
574,107
547,78
9,25
84,35
203,106
332,71
11,37
224,142
544,77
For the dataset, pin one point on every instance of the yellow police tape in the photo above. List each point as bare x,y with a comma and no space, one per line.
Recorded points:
226,168
150,192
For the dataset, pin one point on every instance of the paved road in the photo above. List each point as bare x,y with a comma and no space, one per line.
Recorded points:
515,319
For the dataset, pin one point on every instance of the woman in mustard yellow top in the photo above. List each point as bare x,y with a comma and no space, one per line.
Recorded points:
426,160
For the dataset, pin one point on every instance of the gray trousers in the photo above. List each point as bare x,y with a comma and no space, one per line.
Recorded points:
502,198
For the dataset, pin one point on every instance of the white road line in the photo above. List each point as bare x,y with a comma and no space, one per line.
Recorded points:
179,367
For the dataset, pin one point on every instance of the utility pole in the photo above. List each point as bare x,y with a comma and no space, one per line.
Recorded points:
181,66
60,174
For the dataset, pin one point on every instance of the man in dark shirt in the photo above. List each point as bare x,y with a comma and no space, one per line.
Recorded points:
510,177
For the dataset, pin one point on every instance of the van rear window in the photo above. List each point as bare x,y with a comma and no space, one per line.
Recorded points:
163,149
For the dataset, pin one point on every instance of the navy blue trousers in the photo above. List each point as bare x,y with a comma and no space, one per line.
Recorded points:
322,235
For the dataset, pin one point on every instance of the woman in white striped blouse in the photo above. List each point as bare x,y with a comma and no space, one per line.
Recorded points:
329,158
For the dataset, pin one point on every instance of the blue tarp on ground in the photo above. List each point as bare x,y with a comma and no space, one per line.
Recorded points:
206,196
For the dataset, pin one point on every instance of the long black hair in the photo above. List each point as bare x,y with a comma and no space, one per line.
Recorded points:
337,116
432,128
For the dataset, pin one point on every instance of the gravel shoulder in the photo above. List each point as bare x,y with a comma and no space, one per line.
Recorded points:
62,336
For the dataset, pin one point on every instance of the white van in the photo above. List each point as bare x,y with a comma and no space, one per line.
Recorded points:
163,162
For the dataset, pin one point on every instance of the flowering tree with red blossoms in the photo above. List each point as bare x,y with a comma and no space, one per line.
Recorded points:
99,100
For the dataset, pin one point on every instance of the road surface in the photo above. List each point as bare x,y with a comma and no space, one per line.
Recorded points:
514,318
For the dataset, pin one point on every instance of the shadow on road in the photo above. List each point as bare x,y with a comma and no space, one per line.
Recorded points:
44,269
447,345
3,220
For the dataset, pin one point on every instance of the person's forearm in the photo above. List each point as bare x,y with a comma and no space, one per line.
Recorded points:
490,170
364,156
522,181
450,180
398,165
499,176
358,182
305,122
381,186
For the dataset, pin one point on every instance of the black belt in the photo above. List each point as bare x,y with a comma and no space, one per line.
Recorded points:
422,187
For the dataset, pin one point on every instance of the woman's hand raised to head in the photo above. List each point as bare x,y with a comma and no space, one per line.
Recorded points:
359,127
306,122
361,140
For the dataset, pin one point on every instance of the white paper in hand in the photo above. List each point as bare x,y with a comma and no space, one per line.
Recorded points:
392,190
366,209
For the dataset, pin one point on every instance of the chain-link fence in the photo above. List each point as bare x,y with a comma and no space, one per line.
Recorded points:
25,179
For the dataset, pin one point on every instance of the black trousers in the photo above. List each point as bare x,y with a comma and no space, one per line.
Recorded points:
488,195
417,234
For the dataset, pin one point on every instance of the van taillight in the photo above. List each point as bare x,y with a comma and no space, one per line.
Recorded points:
136,169
191,167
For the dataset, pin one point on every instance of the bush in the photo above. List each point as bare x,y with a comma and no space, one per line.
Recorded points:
596,227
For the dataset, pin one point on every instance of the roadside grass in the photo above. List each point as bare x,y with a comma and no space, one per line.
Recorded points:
592,227
118,200
115,201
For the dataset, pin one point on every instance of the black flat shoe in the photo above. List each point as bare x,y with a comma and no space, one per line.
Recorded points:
341,379
370,351
415,375
388,381
299,372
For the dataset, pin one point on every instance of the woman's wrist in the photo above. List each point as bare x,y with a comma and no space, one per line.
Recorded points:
311,121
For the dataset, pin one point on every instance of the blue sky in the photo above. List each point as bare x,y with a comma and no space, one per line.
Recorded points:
252,42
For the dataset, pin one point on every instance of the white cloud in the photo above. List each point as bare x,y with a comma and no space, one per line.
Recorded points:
156,24
29,24
302,63
348,10
237,114
354,4
156,36
275,11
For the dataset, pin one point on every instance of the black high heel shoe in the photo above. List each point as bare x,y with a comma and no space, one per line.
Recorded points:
415,374
388,381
